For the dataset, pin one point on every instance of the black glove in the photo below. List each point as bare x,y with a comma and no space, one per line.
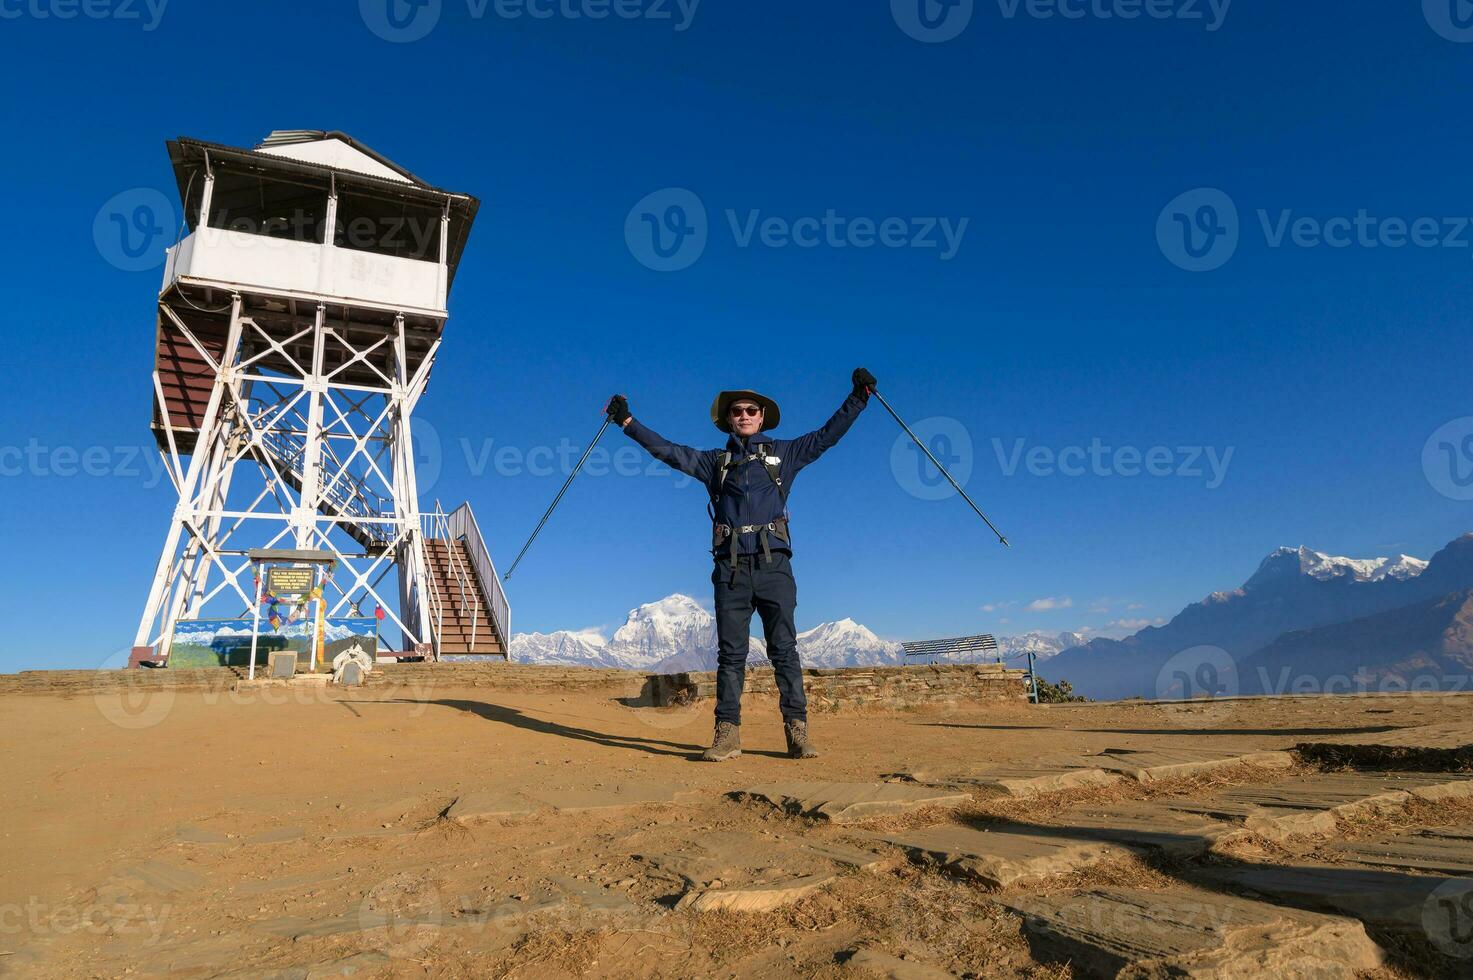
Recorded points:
618,409
864,382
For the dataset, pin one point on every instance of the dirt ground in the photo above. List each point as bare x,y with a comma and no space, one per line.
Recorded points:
234,833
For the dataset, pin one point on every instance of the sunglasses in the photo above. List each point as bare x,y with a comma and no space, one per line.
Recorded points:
739,410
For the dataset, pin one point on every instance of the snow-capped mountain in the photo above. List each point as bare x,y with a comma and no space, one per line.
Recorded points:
677,634
1041,645
673,627
1293,589
1322,567
846,644
586,647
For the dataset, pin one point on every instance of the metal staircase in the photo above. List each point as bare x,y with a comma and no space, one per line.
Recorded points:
469,614
348,497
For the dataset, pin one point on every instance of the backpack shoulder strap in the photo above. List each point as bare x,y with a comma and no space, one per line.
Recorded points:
723,467
774,470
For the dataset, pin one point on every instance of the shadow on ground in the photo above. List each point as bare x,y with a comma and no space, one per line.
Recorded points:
517,719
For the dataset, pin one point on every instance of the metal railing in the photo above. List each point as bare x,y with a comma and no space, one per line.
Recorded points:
432,595
462,526
437,527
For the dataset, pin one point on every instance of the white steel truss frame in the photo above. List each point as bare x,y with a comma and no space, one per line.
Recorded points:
330,458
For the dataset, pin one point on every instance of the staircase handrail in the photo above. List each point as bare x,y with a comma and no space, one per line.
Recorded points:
462,525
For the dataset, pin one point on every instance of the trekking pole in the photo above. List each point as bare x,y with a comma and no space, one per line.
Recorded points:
566,483
941,469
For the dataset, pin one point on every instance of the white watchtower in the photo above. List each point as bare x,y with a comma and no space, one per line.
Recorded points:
298,324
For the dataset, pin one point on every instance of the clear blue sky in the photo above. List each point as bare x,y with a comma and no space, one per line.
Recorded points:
1059,321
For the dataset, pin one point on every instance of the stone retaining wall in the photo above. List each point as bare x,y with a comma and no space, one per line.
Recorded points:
828,688
415,676
833,688
74,682
505,676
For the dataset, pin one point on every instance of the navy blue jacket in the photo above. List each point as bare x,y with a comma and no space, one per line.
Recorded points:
749,496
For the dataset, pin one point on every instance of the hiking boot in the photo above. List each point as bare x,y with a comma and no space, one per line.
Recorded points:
798,745
726,745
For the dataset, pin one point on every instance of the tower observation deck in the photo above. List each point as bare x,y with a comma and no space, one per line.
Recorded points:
298,324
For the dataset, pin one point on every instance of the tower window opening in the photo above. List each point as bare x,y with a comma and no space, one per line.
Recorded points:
276,207
385,226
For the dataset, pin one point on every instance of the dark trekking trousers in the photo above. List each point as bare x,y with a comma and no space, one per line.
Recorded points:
768,588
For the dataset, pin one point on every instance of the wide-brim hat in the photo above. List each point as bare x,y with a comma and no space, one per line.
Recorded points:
770,411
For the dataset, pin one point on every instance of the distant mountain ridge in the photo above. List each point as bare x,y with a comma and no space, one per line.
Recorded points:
1294,589
676,634
1410,647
